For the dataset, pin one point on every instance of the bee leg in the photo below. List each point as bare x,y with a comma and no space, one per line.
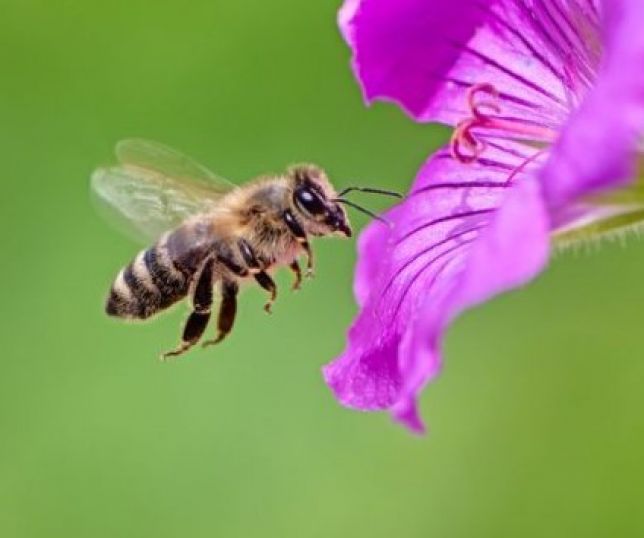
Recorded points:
300,235
266,282
310,273
261,276
232,266
295,267
194,328
198,319
227,311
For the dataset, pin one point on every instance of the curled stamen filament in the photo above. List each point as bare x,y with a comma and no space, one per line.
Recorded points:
463,136
475,107
523,166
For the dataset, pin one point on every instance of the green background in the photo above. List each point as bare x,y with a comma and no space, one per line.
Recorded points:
536,424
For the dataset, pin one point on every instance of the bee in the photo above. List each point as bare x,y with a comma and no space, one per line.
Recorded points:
208,232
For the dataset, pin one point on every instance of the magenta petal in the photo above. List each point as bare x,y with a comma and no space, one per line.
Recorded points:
449,249
398,45
345,19
371,243
598,146
511,251
425,54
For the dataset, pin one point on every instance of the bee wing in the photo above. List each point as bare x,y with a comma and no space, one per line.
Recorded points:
153,188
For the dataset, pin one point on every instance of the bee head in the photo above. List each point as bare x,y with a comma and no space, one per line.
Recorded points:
314,199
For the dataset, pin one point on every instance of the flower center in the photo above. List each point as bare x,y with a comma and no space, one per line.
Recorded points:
467,147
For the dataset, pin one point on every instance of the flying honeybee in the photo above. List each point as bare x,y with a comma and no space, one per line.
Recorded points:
209,232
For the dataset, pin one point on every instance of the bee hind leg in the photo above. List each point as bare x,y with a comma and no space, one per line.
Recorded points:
198,319
195,327
227,311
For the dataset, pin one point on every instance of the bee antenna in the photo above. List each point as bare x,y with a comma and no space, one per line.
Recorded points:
370,190
362,210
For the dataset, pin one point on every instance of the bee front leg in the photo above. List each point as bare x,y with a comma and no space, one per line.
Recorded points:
200,315
302,239
295,267
261,276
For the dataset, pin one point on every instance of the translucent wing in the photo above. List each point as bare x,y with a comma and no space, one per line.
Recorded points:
153,188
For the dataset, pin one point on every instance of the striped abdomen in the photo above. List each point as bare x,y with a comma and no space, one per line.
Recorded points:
148,285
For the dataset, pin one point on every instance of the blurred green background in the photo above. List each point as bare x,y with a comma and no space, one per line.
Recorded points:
536,424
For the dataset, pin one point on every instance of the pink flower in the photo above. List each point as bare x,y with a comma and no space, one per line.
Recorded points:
546,98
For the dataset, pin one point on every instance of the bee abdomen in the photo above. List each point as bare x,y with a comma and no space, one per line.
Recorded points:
146,286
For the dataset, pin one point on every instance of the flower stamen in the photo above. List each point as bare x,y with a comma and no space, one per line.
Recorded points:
475,107
523,166
485,115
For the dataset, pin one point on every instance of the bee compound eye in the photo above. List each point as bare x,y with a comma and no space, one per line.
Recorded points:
309,201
